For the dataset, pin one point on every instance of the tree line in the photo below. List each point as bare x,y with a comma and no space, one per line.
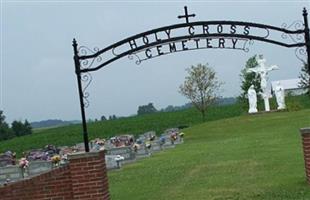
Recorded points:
17,128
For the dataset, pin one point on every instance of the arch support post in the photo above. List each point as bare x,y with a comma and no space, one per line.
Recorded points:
81,94
307,37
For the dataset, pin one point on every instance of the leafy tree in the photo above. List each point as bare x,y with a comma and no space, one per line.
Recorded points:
112,117
146,109
248,79
5,131
201,86
304,78
19,128
103,118
169,108
27,127
2,117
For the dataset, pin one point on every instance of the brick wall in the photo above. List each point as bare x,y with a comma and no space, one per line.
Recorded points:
84,178
305,133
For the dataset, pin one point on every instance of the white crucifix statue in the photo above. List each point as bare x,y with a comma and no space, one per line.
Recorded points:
263,70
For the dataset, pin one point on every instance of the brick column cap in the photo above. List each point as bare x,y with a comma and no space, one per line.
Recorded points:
79,155
305,130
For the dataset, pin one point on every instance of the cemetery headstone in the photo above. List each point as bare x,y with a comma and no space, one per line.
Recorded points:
126,152
6,159
156,146
11,173
111,163
37,167
36,154
142,153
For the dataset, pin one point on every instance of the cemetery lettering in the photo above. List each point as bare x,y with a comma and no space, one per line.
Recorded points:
202,37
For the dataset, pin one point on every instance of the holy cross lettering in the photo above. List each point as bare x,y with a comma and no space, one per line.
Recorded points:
204,30
158,43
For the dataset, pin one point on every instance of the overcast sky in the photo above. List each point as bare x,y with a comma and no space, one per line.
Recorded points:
37,72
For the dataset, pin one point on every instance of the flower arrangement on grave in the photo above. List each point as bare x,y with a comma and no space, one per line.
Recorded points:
14,158
23,164
56,160
136,147
99,144
173,136
162,140
152,138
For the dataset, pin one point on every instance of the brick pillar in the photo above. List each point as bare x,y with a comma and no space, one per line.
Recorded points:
305,133
89,176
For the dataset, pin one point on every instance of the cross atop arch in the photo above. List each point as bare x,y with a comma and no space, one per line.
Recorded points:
186,15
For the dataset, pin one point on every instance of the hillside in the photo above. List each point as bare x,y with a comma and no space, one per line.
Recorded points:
52,123
72,134
247,157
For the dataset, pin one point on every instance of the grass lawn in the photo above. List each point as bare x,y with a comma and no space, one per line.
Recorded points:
246,157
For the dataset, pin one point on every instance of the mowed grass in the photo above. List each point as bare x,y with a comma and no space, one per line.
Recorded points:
247,157
70,135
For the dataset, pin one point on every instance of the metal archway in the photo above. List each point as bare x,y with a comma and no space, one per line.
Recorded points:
184,37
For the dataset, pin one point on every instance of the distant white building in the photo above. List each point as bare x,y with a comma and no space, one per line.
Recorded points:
291,86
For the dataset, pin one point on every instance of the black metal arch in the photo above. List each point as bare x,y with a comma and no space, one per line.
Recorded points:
199,33
203,24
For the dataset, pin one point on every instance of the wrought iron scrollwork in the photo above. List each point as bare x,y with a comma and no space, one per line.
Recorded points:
87,79
87,63
296,25
247,44
301,53
133,56
113,52
267,33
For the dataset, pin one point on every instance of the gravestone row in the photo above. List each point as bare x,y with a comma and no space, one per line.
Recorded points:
147,144
115,156
14,173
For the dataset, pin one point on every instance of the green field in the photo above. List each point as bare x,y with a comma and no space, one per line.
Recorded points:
70,135
247,157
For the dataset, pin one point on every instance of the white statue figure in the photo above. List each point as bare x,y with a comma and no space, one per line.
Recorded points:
263,70
252,99
280,96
